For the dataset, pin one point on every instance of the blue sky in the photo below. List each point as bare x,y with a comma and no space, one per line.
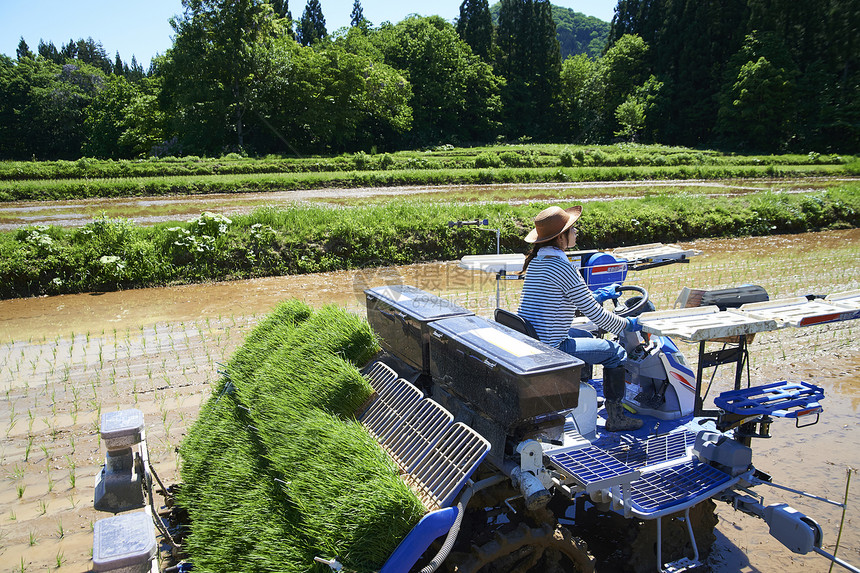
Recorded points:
141,27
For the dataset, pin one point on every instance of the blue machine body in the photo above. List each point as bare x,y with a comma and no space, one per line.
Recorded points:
603,269
433,525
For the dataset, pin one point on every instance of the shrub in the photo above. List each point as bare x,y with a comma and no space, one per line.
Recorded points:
487,159
511,158
567,158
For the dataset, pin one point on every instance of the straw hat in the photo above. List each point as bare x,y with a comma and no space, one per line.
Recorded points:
552,222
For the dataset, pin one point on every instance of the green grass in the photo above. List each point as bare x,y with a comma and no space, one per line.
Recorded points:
276,471
112,254
479,165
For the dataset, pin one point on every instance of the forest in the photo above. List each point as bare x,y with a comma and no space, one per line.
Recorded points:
244,76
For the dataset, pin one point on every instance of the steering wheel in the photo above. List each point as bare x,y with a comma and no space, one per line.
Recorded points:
632,305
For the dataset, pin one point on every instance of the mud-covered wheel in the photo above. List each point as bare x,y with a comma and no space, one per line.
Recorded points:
630,545
544,549
676,538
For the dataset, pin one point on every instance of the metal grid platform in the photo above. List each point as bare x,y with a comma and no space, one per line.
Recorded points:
435,456
394,400
417,431
780,399
654,450
440,474
379,375
672,489
593,468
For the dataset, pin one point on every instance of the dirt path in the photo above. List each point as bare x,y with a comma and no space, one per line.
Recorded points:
65,360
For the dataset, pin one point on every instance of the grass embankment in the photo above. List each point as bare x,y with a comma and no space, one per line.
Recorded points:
499,164
276,470
113,254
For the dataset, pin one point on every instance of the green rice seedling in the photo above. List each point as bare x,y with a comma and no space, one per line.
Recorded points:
19,489
292,381
33,538
337,331
27,448
365,522
43,507
21,568
72,467
60,559
12,516
61,532
270,334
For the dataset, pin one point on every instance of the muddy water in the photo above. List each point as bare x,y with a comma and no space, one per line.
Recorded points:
63,360
151,210
95,312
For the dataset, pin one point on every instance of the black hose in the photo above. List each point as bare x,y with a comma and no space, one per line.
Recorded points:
445,550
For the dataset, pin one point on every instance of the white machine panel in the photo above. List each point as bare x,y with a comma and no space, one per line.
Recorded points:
800,311
850,298
654,253
703,323
493,263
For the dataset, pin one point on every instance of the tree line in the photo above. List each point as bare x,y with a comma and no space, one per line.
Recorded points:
244,76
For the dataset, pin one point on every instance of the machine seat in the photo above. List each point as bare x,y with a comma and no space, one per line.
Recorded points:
515,321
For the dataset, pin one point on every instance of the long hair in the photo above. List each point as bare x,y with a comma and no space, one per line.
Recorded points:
537,247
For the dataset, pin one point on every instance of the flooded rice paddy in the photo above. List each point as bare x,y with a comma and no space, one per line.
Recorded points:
64,360
152,210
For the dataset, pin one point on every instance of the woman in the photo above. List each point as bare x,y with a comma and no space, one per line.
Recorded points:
552,293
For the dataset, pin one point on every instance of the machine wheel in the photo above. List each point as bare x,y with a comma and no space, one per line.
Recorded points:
630,545
543,549
676,538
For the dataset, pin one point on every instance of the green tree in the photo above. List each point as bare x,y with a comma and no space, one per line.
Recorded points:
144,123
529,59
690,43
758,103
43,107
312,24
49,52
455,95
630,116
579,34
282,9
580,112
106,118
475,27
23,50
356,17
214,72
328,99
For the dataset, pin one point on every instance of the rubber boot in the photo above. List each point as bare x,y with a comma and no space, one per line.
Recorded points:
617,419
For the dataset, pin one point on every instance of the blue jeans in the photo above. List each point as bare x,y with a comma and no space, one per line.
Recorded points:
582,345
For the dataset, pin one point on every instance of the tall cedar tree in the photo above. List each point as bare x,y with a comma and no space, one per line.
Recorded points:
23,50
475,26
357,15
693,48
530,60
282,9
312,25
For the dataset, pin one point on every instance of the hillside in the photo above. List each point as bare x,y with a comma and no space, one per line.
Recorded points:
577,33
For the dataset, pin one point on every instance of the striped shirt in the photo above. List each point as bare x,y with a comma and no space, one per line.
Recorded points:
552,291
